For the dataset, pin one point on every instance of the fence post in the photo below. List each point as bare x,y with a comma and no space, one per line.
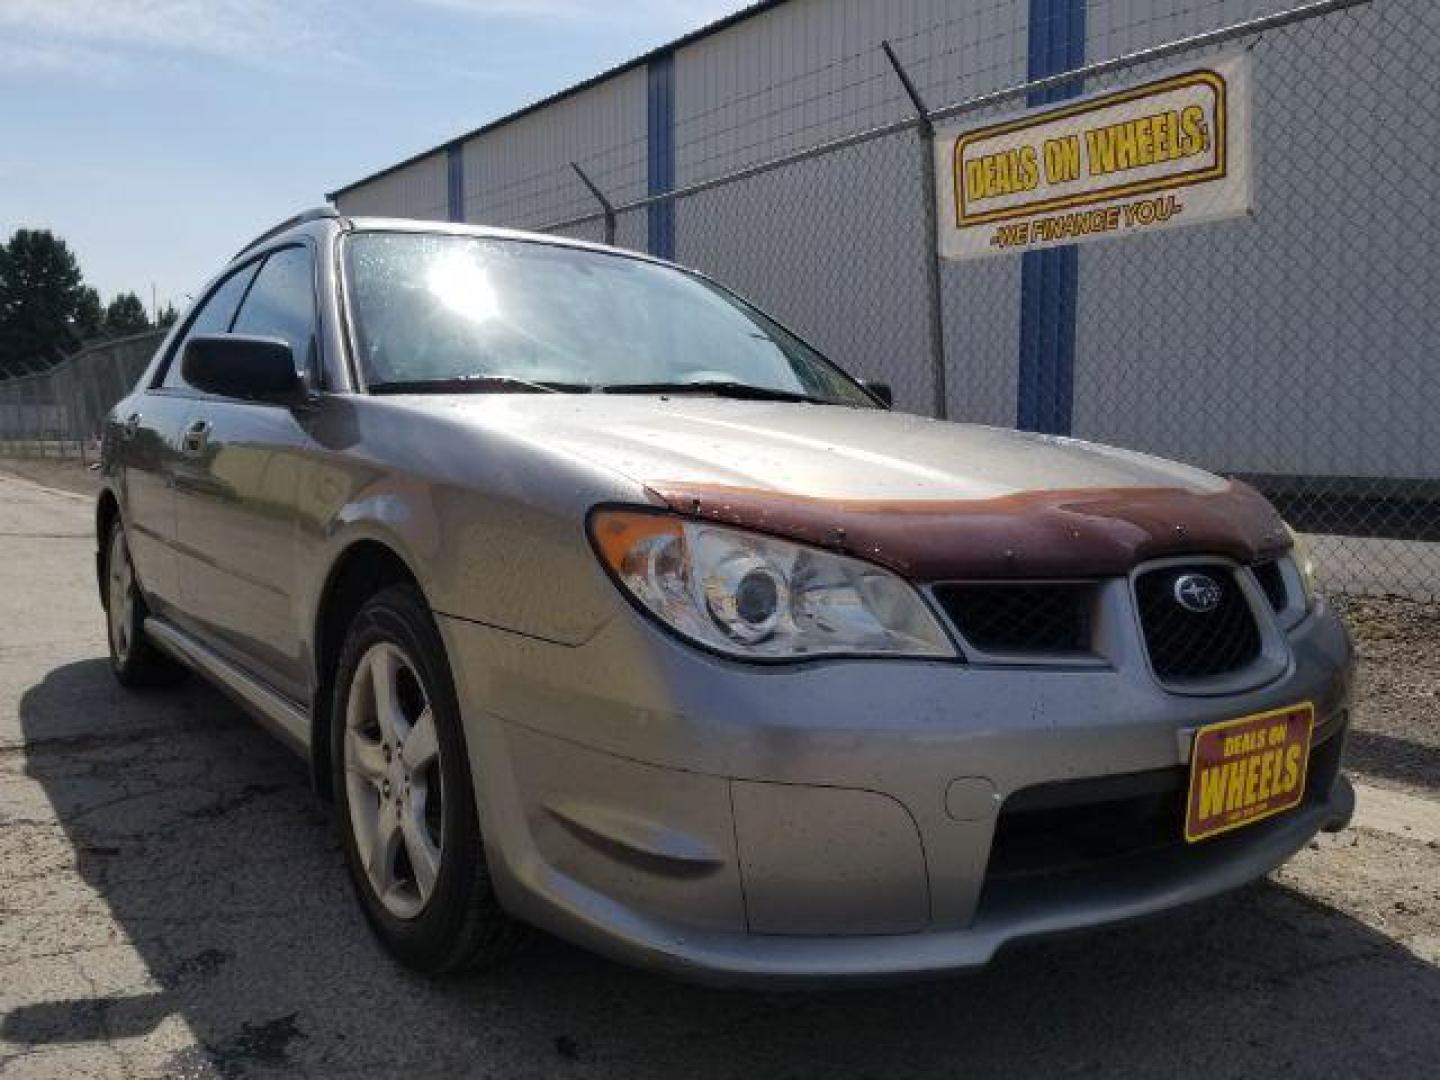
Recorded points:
36,421
51,412
7,404
16,393
926,132
75,402
606,206
45,393
92,394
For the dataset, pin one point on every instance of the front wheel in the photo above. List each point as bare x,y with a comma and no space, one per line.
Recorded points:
405,802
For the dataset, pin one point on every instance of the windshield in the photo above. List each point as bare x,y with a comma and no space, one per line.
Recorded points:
504,314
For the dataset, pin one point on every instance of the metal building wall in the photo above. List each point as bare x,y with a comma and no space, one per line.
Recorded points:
812,70
1247,346
519,173
418,190
836,247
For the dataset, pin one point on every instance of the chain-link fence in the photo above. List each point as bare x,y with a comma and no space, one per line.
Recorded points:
58,413
1293,347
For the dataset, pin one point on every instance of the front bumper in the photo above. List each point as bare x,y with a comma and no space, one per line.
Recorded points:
838,820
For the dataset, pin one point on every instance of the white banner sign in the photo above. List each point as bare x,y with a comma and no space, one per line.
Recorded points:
1172,151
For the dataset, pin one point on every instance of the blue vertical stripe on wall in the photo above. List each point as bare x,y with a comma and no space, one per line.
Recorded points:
660,153
1050,278
455,182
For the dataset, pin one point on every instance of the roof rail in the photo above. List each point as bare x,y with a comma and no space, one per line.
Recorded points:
318,213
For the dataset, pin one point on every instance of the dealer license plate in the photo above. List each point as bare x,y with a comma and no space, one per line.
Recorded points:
1245,770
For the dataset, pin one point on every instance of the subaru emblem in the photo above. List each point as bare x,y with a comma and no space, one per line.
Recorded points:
1198,593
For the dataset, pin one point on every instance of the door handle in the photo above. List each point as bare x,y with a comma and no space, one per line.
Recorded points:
130,426
196,438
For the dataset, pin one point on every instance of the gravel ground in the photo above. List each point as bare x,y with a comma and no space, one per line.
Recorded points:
1396,739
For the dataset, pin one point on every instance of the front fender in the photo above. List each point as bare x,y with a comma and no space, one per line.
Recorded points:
491,528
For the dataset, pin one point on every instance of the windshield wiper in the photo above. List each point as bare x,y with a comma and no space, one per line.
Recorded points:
474,384
509,384
717,387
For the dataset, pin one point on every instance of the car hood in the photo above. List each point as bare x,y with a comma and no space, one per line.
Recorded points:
819,451
926,496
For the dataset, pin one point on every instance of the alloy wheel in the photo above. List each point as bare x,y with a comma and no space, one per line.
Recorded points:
393,780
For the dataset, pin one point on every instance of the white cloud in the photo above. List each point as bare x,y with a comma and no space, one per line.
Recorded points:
71,35
666,15
106,38
20,57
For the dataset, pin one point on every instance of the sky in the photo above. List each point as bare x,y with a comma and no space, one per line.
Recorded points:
157,137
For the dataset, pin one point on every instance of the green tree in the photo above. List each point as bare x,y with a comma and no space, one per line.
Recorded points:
126,315
167,318
40,292
89,320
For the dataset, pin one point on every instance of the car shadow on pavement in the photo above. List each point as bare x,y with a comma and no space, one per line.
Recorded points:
1391,757
209,854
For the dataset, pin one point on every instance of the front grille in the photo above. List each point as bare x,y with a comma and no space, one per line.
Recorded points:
1272,581
1021,617
1187,644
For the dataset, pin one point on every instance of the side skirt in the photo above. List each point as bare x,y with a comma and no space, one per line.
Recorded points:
286,721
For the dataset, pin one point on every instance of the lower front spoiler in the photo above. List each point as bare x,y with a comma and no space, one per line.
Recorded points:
1118,894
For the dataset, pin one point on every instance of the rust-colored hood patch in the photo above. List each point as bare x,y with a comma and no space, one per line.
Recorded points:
1094,532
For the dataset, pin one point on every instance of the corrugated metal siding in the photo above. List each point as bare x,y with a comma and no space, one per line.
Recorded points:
1249,346
416,191
812,70
836,247
1116,27
519,174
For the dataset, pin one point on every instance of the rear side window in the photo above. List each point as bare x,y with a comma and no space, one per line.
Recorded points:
281,304
214,317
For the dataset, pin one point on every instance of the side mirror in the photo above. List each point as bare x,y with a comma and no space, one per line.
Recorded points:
880,391
250,368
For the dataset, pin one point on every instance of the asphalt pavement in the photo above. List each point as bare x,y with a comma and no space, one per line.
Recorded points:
172,903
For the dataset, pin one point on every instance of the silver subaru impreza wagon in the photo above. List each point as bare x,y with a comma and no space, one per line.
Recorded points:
600,602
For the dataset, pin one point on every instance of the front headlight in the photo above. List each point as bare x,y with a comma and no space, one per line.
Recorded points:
1303,560
757,597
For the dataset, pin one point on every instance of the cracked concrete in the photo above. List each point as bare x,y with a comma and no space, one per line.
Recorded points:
172,904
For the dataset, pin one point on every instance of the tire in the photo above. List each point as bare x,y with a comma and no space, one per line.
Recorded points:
418,869
134,661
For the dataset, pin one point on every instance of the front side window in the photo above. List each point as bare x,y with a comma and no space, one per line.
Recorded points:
438,309
214,317
281,304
